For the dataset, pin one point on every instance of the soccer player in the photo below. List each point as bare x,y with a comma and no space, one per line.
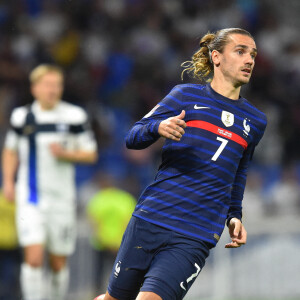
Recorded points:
211,133
45,140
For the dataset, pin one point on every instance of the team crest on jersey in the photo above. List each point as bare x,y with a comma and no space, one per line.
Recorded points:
227,118
29,129
246,127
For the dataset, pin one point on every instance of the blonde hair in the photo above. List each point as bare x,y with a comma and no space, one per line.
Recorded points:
201,66
43,69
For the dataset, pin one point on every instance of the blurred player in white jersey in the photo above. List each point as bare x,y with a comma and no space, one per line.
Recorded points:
45,140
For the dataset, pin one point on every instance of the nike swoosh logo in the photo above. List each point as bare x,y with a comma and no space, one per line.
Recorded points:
200,107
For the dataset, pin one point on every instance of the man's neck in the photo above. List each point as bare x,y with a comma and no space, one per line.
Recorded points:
226,89
46,107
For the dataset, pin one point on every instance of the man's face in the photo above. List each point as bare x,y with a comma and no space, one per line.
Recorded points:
48,90
237,61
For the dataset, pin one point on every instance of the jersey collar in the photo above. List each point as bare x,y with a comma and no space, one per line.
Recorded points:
220,97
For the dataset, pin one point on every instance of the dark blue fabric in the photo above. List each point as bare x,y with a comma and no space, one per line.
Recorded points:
152,258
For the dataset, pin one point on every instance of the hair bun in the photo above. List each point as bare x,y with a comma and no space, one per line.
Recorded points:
203,44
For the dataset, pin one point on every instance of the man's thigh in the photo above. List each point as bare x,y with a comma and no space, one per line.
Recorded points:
148,296
175,268
140,242
30,225
61,232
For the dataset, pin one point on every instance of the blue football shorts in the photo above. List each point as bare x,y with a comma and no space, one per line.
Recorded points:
154,259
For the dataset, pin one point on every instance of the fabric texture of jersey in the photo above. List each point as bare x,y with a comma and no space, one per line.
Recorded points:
201,180
43,180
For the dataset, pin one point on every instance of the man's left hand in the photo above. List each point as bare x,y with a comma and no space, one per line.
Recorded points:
237,233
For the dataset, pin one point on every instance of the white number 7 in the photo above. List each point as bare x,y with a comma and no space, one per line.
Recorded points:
220,149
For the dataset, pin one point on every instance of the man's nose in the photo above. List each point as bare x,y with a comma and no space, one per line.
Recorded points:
249,60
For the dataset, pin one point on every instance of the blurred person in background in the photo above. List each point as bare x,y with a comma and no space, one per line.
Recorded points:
10,257
46,138
286,188
211,133
109,212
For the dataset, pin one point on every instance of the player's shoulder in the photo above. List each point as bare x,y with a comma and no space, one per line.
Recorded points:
76,113
189,87
18,116
256,111
185,91
257,116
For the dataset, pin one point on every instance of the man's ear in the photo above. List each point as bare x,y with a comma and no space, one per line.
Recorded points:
216,57
33,90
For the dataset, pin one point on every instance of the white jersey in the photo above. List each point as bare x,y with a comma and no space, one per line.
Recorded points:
42,179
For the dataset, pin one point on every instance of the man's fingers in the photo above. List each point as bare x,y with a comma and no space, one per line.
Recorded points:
181,123
180,129
173,128
177,130
181,115
176,127
174,138
233,245
236,243
179,119
236,231
177,134
9,196
239,241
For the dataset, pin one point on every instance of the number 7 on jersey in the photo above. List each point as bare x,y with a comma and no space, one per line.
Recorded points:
220,149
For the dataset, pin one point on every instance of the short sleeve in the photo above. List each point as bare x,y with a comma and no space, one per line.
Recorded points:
17,121
85,139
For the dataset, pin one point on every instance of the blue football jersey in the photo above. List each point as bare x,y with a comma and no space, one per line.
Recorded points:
201,180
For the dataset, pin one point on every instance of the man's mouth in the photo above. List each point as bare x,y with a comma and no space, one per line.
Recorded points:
246,70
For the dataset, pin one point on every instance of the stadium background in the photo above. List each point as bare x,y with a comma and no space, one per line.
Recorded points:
120,58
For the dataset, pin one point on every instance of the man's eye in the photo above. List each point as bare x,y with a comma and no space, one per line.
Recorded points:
240,52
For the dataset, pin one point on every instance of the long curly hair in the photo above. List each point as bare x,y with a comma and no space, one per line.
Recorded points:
201,66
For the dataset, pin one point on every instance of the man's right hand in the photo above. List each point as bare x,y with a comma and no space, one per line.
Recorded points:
173,127
9,191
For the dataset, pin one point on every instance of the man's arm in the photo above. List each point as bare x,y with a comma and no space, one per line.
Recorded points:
74,156
142,136
237,231
165,120
84,146
9,168
10,156
238,187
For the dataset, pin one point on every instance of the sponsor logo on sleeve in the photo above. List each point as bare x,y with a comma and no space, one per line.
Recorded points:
151,112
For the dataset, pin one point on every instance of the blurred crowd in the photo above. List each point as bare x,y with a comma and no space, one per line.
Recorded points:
122,56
